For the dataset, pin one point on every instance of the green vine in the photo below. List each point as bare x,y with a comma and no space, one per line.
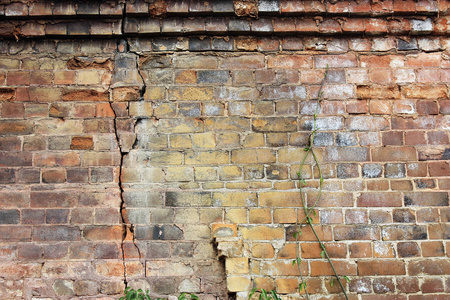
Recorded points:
307,220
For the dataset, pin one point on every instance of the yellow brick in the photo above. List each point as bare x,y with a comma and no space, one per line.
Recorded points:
134,268
286,285
140,109
288,251
234,199
282,268
237,185
89,77
187,216
260,185
255,267
284,215
189,186
191,93
238,283
224,230
306,172
227,140
155,93
260,216
262,233
180,141
295,155
237,215
253,156
164,110
186,76
315,217
262,250
264,283
205,140
284,185
179,173
229,123
252,140
130,175
205,173
280,199
206,157
230,172
212,185
160,157
180,125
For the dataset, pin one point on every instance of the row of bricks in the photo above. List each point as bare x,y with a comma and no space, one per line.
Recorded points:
145,216
141,7
61,233
236,78
216,26
220,157
210,93
288,43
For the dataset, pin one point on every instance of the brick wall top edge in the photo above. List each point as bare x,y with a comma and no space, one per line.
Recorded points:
364,8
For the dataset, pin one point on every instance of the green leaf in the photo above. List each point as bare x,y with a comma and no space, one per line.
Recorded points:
251,293
322,254
274,294
306,149
131,295
346,278
332,282
293,262
300,287
315,213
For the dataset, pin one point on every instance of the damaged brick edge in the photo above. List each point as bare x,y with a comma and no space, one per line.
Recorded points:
123,92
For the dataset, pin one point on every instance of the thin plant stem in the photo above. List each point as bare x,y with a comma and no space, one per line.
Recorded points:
309,150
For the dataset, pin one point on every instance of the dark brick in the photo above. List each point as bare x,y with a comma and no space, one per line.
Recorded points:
169,44
10,216
323,139
183,250
346,139
189,109
221,44
106,251
408,249
78,175
220,6
404,216
7,175
199,44
237,25
147,232
33,216
10,143
158,250
210,76
393,170
403,45
425,183
53,199
30,251
102,174
56,233
426,199
58,252
404,232
15,159
169,232
57,216
78,28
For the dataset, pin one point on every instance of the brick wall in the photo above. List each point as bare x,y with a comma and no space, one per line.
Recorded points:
156,144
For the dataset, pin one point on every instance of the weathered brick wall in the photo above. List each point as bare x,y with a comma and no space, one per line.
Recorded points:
157,144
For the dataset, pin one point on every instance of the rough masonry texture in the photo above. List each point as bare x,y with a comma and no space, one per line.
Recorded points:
156,144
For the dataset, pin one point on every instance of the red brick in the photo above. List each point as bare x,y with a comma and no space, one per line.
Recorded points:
377,92
12,110
408,284
432,249
56,233
360,250
99,233
429,267
344,268
291,43
381,267
437,169
415,138
428,75
353,25
268,44
18,78
53,175
424,60
386,154
307,26
82,143
392,138
290,61
56,159
380,107
426,199
7,94
406,6
284,25
53,199
17,270
329,26
85,95
375,26
399,26
336,61
15,159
